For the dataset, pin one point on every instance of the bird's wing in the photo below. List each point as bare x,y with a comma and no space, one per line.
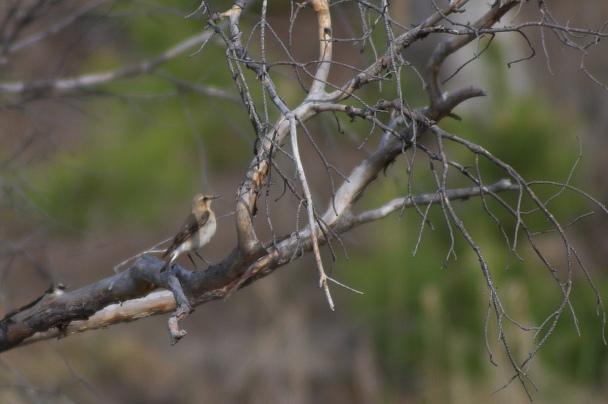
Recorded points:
190,226
203,219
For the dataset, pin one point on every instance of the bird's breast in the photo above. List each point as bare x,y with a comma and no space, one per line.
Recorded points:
203,236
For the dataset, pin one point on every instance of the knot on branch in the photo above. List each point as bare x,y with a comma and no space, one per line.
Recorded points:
353,112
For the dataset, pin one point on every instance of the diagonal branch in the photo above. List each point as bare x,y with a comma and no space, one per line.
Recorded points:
126,296
86,81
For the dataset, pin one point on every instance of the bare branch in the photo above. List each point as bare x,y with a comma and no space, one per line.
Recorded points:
80,83
438,107
428,199
310,209
321,8
60,314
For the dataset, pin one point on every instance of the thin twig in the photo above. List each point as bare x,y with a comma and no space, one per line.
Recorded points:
310,209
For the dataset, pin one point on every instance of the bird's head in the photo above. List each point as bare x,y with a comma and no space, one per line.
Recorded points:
202,201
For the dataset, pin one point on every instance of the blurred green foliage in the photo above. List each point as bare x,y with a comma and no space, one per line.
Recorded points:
147,145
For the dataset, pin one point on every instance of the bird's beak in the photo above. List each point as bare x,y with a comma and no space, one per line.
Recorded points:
214,197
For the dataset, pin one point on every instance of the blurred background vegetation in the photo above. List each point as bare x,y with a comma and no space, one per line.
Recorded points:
89,181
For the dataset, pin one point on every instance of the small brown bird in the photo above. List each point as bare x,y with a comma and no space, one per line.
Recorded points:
196,231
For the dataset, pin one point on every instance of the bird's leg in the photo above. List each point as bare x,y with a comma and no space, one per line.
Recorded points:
189,256
204,260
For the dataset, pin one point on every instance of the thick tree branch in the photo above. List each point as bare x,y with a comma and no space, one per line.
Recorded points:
126,296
